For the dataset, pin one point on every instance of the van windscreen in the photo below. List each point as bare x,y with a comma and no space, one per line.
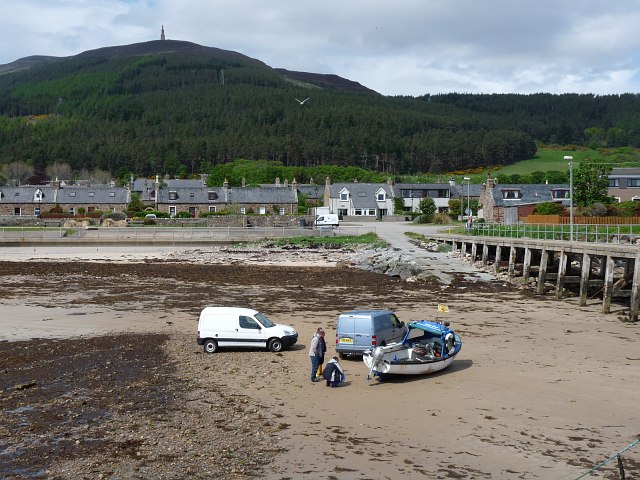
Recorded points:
266,323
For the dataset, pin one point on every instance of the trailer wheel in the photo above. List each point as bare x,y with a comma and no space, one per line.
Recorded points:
210,346
275,345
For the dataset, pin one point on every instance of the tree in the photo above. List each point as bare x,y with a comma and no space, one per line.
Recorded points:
428,209
59,171
590,183
16,172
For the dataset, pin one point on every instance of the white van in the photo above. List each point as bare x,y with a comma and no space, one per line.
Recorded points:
363,330
327,220
241,327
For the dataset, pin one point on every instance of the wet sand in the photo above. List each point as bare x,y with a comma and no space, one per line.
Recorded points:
541,388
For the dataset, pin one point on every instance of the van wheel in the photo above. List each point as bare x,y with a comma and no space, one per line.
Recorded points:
211,346
275,345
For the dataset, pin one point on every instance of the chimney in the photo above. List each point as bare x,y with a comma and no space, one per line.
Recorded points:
225,188
390,181
244,182
294,185
311,181
277,181
327,182
286,183
56,184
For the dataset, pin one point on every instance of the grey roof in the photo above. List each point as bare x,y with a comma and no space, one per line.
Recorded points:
530,194
460,191
309,191
242,195
69,195
261,195
363,195
624,172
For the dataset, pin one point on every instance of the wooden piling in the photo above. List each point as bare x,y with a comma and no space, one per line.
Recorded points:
562,270
608,285
544,258
584,278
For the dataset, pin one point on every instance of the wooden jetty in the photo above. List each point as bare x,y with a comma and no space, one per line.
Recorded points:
612,269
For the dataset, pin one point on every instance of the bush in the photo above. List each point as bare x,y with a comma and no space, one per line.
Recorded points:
548,208
116,216
441,219
183,215
149,221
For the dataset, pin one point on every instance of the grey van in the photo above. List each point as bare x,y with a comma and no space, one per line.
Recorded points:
362,330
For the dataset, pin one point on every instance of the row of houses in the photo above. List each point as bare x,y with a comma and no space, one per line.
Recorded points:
499,203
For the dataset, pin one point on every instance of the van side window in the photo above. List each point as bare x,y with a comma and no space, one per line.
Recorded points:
395,321
248,322
382,322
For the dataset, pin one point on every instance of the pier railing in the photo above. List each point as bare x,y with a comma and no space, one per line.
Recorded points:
629,234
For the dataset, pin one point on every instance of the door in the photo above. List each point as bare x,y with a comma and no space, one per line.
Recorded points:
250,332
362,336
510,215
346,334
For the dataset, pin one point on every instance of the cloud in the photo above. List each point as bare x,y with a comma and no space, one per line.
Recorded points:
406,47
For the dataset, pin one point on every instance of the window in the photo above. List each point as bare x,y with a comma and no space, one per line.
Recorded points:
381,196
172,211
191,195
213,196
248,322
72,194
212,209
36,211
358,211
613,182
511,194
152,194
342,212
112,194
91,209
192,212
362,194
16,211
243,210
92,194
560,193
173,195
344,196
633,182
72,211
371,212
281,211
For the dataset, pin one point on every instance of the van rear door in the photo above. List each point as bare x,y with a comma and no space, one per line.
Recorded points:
363,330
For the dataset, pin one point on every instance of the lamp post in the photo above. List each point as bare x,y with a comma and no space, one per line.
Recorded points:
468,180
570,159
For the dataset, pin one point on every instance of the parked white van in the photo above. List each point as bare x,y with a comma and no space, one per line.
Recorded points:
327,220
241,327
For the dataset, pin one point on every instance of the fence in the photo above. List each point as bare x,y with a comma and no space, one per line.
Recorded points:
581,232
562,220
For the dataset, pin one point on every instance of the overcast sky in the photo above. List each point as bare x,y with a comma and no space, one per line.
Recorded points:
396,47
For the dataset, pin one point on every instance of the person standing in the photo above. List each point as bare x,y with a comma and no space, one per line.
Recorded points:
315,352
323,350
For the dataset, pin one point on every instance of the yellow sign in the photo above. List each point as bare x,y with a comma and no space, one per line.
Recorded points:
442,308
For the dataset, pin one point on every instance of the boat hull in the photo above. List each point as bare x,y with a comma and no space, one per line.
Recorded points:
398,368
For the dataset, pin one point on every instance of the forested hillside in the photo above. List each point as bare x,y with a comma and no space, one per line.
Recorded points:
179,108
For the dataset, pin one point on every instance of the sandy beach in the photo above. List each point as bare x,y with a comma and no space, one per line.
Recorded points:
541,389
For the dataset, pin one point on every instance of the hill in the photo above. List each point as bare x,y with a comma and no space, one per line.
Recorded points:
176,107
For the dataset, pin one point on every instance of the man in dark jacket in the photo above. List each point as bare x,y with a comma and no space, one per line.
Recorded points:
333,373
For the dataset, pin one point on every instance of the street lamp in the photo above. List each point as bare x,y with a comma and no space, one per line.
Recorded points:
570,159
468,180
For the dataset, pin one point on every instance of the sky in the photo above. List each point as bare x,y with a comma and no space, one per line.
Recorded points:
395,47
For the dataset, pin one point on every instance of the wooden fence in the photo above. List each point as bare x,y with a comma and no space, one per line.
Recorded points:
562,220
